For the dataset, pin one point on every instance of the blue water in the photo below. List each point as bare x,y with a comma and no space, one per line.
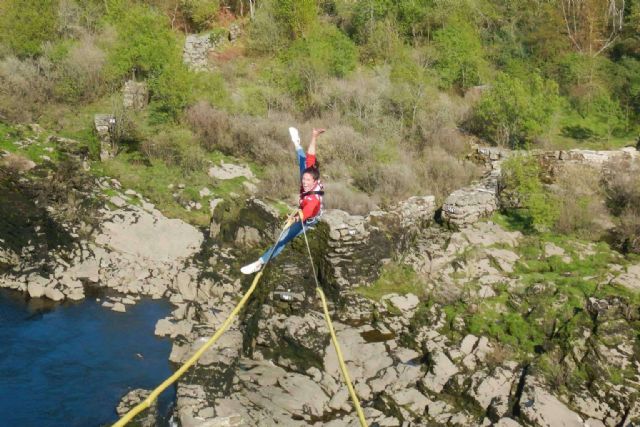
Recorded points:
69,365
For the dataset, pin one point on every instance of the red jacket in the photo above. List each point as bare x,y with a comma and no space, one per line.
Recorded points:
310,203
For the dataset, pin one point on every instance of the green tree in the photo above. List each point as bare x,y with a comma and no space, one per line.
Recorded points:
26,24
146,48
369,12
460,54
515,111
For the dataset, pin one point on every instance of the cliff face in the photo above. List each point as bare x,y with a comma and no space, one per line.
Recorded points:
503,328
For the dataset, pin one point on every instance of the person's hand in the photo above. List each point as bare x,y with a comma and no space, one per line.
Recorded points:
317,131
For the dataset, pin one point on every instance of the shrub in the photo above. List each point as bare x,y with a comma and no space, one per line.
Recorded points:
514,112
266,35
280,183
297,16
25,87
366,14
26,24
339,195
582,208
263,140
200,12
171,91
326,52
521,180
79,75
175,147
439,173
622,189
213,126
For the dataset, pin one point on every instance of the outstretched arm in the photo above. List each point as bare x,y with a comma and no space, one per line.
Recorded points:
314,137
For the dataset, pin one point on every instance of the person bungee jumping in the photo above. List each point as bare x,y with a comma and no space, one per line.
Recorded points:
311,193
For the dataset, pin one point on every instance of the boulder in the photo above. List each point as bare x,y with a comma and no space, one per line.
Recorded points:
442,369
541,408
138,233
53,294
470,204
36,286
148,417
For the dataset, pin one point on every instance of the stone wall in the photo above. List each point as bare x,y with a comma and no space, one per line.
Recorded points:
357,247
479,200
135,95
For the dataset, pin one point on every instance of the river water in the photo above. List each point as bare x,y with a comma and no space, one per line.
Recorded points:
68,364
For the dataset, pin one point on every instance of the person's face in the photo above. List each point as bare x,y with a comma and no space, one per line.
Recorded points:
307,182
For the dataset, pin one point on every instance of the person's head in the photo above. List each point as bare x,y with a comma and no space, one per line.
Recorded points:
310,177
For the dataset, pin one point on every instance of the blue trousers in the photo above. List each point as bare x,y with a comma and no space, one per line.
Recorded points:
291,233
296,228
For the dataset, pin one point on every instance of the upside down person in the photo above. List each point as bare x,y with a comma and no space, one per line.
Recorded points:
311,192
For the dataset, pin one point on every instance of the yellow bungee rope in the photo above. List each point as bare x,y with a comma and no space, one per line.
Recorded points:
193,359
327,318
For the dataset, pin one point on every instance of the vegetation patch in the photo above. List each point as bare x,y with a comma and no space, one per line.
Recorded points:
394,278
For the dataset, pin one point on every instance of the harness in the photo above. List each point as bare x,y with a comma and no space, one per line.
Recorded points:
318,193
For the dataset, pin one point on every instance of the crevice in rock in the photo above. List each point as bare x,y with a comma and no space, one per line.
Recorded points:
623,422
515,409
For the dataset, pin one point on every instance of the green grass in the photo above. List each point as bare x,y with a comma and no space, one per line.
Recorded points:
154,178
394,278
594,135
34,151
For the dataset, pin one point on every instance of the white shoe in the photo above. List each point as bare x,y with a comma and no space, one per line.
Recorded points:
254,267
295,136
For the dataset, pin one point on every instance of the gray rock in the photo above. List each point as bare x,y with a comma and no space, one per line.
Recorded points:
468,343
468,205
148,417
405,303
196,50
53,294
36,286
104,125
441,371
227,171
365,360
137,232
119,307
541,408
135,95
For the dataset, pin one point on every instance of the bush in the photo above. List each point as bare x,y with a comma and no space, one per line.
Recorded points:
297,16
200,12
175,147
514,112
79,74
25,87
213,126
266,35
263,140
326,52
521,181
339,195
582,208
621,184
280,183
26,24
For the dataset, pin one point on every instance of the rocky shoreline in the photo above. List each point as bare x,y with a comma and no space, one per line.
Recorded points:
414,359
